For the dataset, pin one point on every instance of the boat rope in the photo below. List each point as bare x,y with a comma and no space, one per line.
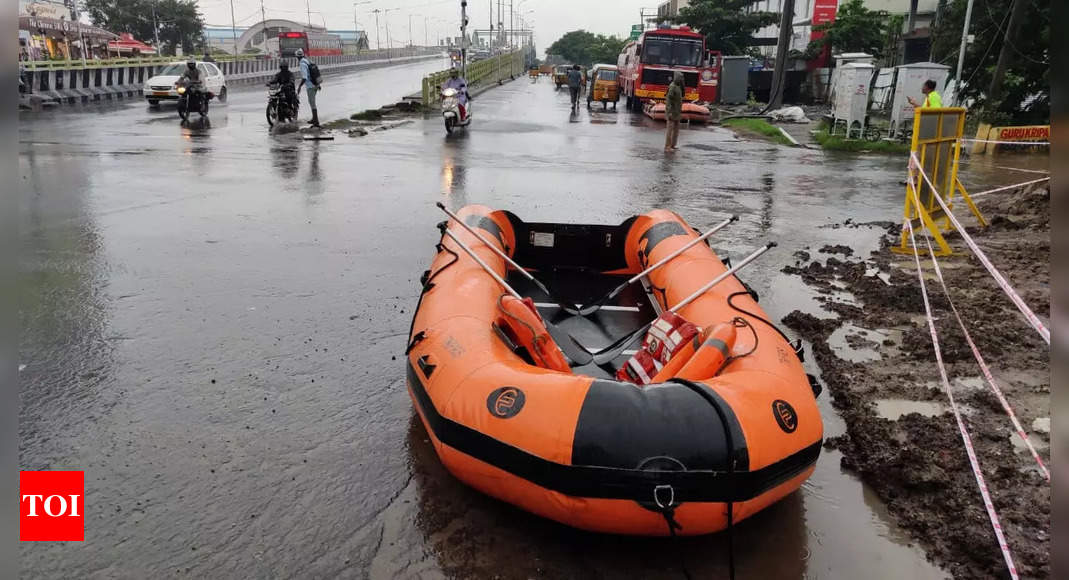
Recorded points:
796,345
988,376
739,322
966,439
1030,316
428,283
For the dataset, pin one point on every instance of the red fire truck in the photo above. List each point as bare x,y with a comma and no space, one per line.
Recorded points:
648,64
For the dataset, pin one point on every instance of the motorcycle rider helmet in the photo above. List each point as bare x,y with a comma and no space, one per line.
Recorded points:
454,72
298,53
191,64
284,65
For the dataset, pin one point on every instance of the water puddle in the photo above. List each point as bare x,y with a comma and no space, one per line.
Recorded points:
853,343
895,409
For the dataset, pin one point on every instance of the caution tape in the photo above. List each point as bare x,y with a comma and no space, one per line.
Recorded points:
999,278
1007,142
1014,186
966,439
983,365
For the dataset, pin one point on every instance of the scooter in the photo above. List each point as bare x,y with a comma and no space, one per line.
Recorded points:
451,111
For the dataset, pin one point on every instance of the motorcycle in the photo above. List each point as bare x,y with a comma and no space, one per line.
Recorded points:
193,98
451,111
279,108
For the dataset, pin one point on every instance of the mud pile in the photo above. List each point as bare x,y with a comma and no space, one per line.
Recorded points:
915,460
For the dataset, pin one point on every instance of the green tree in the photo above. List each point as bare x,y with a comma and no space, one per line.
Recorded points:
725,23
178,21
586,48
855,29
1025,96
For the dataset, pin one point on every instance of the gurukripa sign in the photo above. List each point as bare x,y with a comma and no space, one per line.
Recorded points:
988,138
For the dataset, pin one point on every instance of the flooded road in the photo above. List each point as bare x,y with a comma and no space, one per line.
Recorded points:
213,322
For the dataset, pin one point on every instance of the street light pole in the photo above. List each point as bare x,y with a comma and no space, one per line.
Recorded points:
234,27
308,7
959,84
378,35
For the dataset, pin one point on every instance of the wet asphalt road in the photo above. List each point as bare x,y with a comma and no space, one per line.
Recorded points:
213,321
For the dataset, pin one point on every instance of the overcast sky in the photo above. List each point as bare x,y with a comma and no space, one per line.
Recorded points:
550,18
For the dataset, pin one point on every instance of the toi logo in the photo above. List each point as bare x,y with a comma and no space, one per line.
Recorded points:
51,506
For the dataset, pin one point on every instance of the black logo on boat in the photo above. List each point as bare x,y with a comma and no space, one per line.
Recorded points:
785,415
505,402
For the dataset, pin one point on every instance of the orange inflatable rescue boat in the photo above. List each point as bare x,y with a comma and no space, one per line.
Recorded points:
692,112
623,381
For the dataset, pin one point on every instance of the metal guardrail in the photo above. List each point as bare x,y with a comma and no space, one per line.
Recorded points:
491,70
78,64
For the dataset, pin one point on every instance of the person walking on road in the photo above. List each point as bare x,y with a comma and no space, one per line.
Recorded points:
311,82
932,98
575,80
673,112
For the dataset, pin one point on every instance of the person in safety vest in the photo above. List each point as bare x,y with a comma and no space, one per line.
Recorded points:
932,99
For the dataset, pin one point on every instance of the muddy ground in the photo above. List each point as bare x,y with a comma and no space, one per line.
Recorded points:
877,361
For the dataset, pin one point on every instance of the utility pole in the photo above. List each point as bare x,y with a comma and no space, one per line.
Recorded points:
410,31
426,37
464,37
156,29
512,25
378,35
233,27
779,80
263,24
959,83
308,7
1016,15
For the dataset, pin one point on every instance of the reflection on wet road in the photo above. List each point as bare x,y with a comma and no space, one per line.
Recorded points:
213,319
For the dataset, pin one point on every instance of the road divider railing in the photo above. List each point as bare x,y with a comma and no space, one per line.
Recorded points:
479,74
71,82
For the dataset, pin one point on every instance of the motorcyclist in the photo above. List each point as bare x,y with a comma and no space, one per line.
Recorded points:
191,76
284,78
455,81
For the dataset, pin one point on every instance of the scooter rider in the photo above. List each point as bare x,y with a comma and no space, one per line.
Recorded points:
455,81
310,86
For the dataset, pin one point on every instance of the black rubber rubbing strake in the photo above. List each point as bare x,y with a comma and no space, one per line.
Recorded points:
597,481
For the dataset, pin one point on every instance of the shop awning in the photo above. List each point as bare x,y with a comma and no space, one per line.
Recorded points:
57,27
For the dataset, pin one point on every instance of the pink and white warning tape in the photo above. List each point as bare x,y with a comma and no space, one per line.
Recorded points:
999,278
1007,187
983,365
966,439
1006,142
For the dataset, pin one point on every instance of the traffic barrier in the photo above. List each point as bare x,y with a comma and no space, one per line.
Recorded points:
492,70
75,83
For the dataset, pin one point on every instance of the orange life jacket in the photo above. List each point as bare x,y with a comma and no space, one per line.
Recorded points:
523,324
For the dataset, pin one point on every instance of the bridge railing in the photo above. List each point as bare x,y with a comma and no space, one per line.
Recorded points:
484,72
78,64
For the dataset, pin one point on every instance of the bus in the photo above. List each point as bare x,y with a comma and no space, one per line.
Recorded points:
312,43
648,64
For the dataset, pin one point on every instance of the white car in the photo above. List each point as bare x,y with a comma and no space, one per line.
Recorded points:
161,87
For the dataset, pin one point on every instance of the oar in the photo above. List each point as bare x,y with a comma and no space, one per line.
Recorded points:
612,351
591,308
580,356
568,307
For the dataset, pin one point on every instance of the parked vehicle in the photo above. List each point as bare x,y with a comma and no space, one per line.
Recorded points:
163,87
647,65
604,86
453,113
281,108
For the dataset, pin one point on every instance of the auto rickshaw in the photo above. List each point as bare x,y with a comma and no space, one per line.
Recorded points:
533,73
560,75
603,85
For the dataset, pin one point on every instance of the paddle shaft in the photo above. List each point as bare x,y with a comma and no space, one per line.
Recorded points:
493,247
723,276
689,245
479,261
